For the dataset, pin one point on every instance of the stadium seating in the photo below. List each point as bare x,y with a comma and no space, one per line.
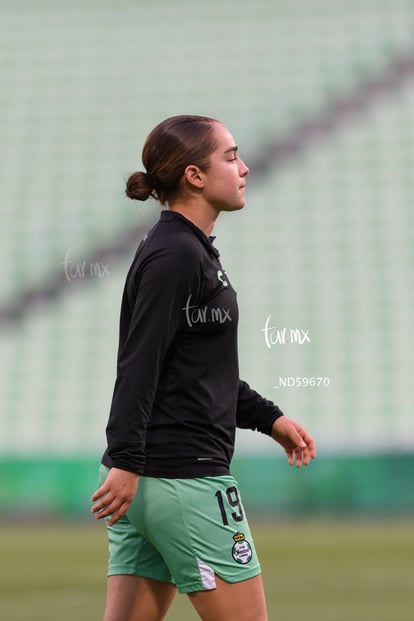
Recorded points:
324,91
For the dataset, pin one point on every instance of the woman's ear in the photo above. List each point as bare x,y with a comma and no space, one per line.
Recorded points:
194,176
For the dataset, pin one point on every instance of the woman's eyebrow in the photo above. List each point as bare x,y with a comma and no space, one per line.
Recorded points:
235,148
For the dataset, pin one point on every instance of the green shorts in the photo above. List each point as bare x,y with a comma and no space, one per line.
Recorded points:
184,531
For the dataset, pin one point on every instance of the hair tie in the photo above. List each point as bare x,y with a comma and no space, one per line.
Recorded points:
152,182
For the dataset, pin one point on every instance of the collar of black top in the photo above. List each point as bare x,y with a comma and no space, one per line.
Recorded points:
169,216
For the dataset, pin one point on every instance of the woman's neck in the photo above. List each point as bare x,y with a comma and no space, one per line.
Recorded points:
202,216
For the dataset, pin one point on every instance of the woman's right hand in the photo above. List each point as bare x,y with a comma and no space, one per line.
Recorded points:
115,495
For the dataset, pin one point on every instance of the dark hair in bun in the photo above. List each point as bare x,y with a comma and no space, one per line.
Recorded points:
172,145
139,186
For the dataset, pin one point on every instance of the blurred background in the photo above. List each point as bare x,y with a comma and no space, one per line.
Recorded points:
319,95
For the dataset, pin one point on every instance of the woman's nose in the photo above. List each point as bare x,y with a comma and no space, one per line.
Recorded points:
244,170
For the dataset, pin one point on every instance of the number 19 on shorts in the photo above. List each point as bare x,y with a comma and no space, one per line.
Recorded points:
230,505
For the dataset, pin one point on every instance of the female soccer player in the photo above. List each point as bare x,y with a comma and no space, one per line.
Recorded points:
178,397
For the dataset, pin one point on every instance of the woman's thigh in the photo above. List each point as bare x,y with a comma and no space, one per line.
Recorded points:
134,598
239,601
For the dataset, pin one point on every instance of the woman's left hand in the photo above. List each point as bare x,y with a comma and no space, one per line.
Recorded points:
115,495
297,442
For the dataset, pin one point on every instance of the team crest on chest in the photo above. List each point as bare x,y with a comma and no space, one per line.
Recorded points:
241,550
222,278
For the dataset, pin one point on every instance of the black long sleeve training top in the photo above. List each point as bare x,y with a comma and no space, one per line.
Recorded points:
178,397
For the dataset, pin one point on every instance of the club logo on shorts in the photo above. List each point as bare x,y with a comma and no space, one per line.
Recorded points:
241,550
